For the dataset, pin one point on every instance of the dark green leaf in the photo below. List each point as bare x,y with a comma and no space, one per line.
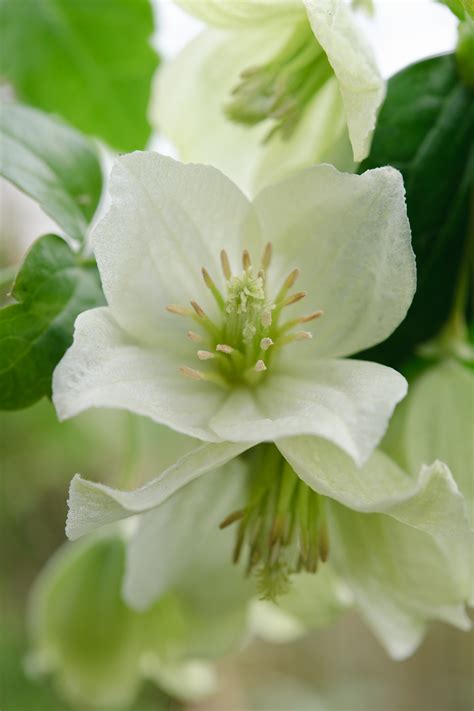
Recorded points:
89,60
426,130
53,163
52,288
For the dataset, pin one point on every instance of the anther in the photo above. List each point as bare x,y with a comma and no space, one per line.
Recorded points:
191,373
205,355
213,288
260,366
310,317
231,518
266,318
302,336
224,348
225,265
194,337
266,256
179,310
291,279
265,344
199,311
246,261
294,298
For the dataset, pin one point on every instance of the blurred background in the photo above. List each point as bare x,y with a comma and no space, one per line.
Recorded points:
342,668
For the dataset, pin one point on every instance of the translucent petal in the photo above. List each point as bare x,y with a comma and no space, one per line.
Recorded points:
241,13
349,235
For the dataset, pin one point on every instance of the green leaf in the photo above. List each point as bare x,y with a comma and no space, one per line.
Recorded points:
52,288
88,60
426,130
53,164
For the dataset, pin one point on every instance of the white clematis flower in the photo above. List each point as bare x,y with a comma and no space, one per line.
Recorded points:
235,367
271,87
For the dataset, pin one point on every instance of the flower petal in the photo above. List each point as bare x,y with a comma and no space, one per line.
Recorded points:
350,237
435,421
106,368
346,402
167,220
241,13
401,577
361,85
93,505
179,545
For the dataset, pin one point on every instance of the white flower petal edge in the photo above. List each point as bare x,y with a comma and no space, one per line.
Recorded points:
106,368
350,236
348,402
361,85
166,221
93,505
178,546
241,13
401,577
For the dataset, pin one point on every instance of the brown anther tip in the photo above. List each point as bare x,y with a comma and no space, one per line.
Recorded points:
291,278
267,256
311,317
225,264
194,337
246,262
302,336
224,348
199,311
205,355
191,373
207,278
265,344
177,310
294,298
231,518
260,366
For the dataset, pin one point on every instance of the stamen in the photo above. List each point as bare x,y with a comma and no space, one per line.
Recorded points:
265,344
231,518
266,318
191,373
224,348
266,256
311,317
194,337
199,311
294,337
205,355
291,279
294,298
178,310
260,366
246,261
226,265
212,287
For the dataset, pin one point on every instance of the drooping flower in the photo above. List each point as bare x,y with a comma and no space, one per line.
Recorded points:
261,377
271,87
103,618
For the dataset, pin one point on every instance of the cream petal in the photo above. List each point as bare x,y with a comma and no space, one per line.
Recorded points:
360,83
346,402
166,221
94,505
106,368
350,237
242,13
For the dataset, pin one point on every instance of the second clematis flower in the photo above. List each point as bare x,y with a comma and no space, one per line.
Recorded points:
207,331
271,87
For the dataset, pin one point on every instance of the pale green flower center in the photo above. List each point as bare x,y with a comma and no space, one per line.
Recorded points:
282,529
237,347
281,89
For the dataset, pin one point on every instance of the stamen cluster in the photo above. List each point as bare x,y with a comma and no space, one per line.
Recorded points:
238,345
282,88
282,527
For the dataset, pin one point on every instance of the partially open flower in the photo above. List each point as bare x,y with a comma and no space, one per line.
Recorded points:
271,87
